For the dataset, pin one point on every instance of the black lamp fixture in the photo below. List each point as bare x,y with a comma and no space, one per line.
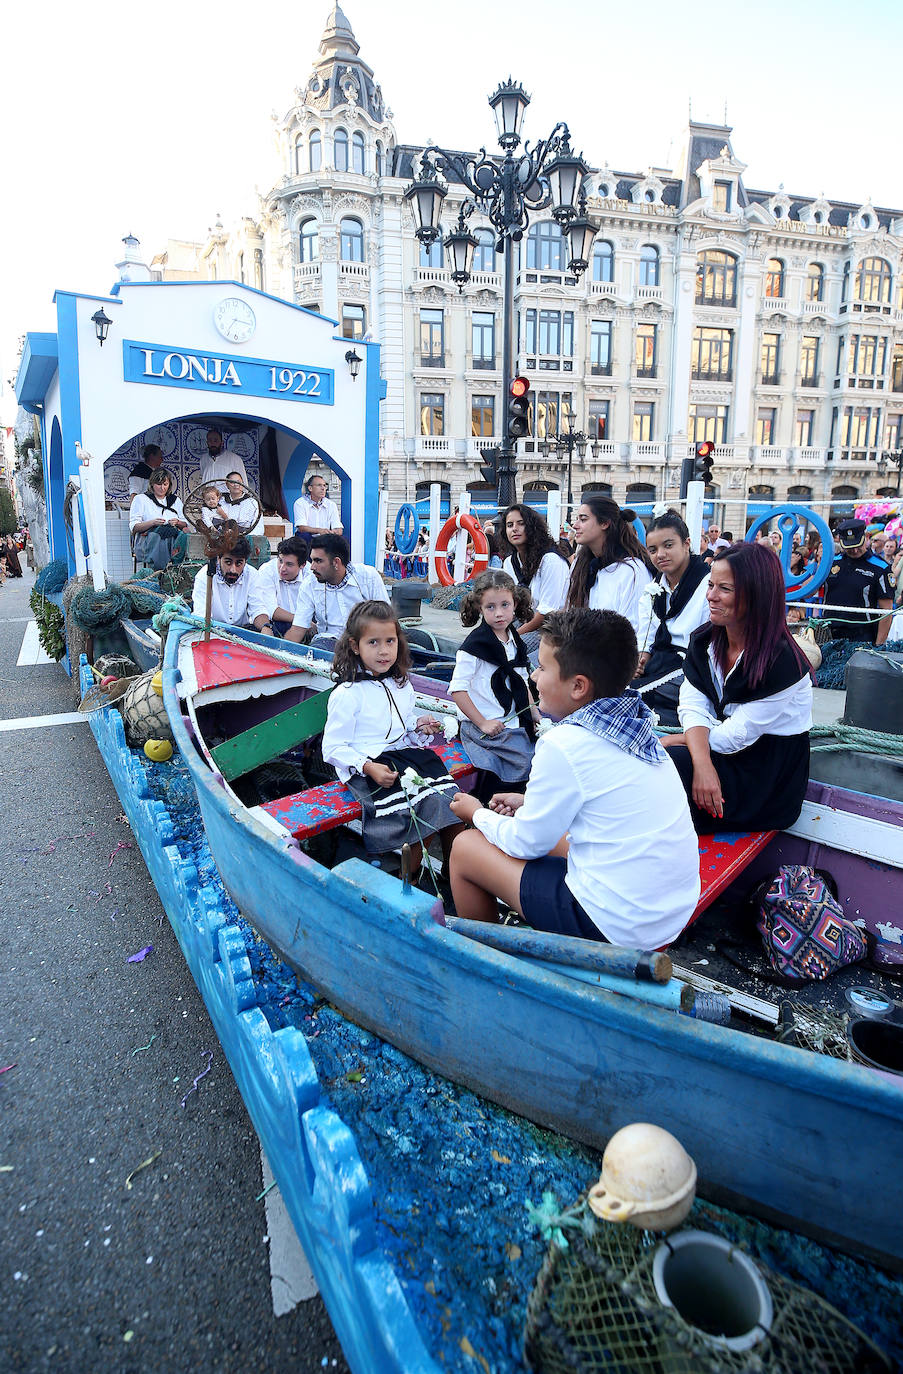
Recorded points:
506,191
354,363
892,458
101,325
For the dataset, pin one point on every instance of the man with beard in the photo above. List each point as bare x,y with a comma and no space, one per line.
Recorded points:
219,462
336,586
234,587
151,458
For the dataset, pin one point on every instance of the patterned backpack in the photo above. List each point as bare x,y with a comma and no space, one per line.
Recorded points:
804,932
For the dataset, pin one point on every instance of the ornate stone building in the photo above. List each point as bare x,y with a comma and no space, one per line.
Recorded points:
768,322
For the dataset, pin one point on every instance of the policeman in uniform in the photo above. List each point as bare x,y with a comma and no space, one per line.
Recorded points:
858,577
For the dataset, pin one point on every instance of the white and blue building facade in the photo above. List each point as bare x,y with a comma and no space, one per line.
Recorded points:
179,359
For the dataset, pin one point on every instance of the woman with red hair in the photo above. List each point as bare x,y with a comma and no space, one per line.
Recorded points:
745,703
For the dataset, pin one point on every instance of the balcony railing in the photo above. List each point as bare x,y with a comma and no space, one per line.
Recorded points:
354,271
809,457
712,374
475,444
769,455
433,446
814,308
647,373
432,360
650,293
770,379
307,274
808,381
775,303
646,452
604,288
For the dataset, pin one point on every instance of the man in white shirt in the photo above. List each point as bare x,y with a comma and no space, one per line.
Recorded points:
314,512
336,585
279,582
219,462
235,588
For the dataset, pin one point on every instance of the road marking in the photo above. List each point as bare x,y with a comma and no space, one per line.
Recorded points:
14,619
31,653
291,1277
36,722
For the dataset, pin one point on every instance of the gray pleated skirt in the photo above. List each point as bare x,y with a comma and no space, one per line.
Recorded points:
507,755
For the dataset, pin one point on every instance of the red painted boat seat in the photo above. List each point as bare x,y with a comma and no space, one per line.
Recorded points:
323,808
722,858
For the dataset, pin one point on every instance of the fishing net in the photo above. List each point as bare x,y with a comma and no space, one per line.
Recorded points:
595,1307
143,712
52,577
144,595
114,665
810,1028
836,654
94,611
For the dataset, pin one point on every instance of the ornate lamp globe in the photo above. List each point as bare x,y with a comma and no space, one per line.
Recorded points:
426,195
564,175
460,245
508,105
580,232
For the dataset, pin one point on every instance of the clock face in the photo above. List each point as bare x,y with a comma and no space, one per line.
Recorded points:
235,319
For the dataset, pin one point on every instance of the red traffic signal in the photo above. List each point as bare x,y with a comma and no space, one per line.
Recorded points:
703,450
704,462
518,408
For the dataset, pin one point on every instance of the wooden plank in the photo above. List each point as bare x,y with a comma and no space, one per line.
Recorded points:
271,738
839,829
722,858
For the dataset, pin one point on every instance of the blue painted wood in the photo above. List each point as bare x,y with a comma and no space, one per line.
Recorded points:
770,1126
312,1153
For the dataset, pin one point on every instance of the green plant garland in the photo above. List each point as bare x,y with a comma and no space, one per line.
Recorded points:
50,624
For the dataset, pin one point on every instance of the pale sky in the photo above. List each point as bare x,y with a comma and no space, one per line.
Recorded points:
151,120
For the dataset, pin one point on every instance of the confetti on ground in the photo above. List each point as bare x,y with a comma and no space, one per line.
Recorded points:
140,956
266,1190
144,1047
6,1068
8,1169
123,844
194,1086
145,1163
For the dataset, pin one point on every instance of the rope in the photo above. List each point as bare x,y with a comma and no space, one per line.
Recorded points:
846,736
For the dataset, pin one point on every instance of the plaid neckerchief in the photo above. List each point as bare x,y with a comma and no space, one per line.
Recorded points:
626,721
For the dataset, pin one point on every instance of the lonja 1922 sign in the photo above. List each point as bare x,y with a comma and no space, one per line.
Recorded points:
223,372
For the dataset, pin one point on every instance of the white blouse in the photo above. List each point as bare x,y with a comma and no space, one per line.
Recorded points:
619,587
548,585
785,713
364,718
602,798
143,509
474,676
694,614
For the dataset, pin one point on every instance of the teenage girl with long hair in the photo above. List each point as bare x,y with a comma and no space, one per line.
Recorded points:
375,732
670,610
746,702
534,560
612,567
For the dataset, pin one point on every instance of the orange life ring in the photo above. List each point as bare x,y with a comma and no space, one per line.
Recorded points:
481,548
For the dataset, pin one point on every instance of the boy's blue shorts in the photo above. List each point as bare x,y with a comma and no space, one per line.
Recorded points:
548,903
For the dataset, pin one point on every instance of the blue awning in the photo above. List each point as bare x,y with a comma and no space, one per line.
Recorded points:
37,368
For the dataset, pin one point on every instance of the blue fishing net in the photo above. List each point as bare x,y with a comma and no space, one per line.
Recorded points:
52,577
836,654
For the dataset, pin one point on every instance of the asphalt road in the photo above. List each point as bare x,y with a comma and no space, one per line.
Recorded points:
173,1272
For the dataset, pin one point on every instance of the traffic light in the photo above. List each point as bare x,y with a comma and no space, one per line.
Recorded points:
490,465
704,462
518,408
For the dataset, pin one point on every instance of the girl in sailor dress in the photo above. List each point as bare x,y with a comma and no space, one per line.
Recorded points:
670,610
490,685
376,739
612,567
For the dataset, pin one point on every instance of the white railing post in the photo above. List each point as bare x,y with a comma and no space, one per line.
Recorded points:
553,513
435,519
382,516
695,503
461,538
93,505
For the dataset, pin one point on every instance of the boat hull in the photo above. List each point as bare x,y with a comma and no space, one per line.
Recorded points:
811,1141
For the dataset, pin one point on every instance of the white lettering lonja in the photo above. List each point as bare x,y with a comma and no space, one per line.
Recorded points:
190,366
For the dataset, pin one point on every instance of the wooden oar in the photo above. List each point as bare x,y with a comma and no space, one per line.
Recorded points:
648,966
211,573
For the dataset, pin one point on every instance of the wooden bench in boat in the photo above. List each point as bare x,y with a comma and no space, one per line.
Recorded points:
323,808
722,858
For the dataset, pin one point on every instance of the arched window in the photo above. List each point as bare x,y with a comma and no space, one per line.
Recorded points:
815,282
799,493
649,265
351,240
774,278
484,253
873,280
340,150
603,261
431,256
716,278
546,247
379,158
310,241
357,154
315,148
597,489
299,155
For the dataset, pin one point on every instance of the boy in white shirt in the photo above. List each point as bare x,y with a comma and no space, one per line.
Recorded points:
278,582
601,845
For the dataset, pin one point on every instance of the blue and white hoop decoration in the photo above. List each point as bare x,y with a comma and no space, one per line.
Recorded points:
407,529
788,518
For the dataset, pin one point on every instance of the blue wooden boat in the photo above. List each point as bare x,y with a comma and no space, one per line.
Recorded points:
800,1138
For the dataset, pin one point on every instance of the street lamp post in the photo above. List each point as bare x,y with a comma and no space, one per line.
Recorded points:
566,442
506,191
893,458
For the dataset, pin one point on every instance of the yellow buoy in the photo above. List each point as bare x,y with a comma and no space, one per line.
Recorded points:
157,683
158,750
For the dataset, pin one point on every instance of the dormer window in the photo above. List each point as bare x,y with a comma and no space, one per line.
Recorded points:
605,190
721,197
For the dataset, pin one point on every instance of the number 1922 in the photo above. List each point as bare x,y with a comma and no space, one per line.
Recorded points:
298,383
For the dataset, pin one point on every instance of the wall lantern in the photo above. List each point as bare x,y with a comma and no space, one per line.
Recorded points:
101,325
354,363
